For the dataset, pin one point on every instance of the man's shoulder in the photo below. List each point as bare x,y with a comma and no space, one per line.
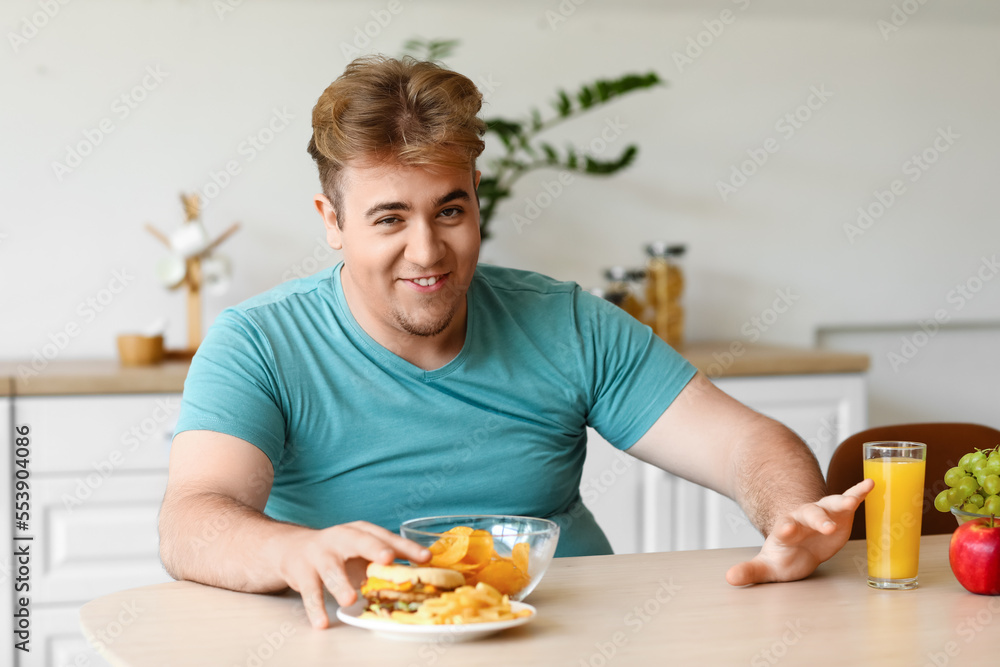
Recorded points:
299,290
503,279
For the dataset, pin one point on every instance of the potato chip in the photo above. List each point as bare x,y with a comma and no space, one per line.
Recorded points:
471,552
520,554
455,548
480,549
503,576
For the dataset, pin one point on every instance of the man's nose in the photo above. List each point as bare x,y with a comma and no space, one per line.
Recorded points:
424,245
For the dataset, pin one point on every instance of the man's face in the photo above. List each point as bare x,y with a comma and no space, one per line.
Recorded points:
410,240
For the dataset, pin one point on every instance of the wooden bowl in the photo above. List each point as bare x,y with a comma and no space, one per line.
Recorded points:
136,350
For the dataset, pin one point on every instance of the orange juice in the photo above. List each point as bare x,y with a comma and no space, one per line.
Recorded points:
892,516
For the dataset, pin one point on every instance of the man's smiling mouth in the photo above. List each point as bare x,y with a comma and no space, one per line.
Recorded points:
427,281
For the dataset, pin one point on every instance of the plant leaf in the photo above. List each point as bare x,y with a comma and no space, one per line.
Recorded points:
511,133
604,167
536,120
563,105
552,157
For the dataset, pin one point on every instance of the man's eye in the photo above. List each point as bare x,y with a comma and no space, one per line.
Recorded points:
451,212
389,221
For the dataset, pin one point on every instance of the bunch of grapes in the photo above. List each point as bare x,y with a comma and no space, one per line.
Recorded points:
974,484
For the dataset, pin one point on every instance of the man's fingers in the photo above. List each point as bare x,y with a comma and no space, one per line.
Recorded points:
311,591
378,547
850,499
405,548
749,572
815,517
336,581
861,489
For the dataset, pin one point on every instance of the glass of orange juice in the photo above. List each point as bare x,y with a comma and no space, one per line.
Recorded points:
892,512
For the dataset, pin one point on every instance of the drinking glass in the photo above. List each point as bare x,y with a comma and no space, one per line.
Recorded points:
892,512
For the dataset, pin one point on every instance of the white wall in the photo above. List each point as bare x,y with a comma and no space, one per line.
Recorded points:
62,240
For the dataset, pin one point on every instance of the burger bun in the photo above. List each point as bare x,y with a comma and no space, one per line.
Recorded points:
439,577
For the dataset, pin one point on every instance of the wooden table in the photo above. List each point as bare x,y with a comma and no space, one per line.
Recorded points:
664,608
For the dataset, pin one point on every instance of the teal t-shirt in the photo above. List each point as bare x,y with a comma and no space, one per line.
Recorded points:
355,432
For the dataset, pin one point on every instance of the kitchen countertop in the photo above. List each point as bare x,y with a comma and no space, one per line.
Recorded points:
107,376
91,376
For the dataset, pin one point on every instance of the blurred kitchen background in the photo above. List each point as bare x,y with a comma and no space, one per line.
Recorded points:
883,107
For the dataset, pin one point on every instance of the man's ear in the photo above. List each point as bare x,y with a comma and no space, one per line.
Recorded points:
476,178
329,215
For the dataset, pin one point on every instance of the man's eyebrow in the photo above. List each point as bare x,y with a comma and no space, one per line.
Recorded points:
387,206
456,194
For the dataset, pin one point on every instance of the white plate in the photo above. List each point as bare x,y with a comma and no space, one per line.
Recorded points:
431,633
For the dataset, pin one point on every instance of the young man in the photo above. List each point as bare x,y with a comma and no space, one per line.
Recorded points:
410,381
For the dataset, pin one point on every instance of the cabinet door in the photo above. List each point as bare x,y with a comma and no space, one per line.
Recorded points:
56,641
822,409
611,488
84,434
6,524
100,542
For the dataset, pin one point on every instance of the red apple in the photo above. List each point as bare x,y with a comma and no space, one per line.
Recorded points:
975,555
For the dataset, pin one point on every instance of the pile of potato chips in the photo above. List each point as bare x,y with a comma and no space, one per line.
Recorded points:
471,552
465,604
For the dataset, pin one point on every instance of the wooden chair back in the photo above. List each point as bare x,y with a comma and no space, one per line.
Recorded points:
946,443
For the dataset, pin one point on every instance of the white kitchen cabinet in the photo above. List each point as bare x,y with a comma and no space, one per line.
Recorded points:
6,524
642,508
98,473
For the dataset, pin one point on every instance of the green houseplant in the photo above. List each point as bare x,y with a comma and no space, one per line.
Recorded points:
524,150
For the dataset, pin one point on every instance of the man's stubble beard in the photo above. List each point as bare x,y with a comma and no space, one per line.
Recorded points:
427,330
432,328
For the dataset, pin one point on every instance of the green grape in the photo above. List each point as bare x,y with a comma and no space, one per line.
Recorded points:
991,485
993,464
970,508
981,478
992,505
942,503
965,462
967,487
978,466
976,500
955,497
954,476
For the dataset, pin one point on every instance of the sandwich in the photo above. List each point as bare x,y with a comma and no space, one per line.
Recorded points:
404,588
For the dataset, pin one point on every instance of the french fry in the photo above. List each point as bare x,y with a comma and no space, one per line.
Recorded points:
466,604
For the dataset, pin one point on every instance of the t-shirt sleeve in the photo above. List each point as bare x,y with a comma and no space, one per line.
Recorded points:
232,388
634,374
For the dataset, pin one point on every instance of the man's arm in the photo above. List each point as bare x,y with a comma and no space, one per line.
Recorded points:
213,530
710,438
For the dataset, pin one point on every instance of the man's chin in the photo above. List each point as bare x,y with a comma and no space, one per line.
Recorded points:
426,328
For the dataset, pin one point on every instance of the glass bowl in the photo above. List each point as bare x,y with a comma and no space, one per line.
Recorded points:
963,516
541,536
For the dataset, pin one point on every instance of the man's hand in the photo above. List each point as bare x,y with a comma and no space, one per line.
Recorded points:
335,558
802,540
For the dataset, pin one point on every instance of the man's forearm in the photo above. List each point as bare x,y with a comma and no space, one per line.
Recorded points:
775,472
216,540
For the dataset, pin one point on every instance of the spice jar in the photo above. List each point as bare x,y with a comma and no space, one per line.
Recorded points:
664,285
620,293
